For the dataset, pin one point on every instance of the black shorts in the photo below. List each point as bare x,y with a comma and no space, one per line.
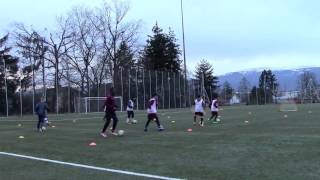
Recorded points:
214,113
130,114
152,116
110,115
198,114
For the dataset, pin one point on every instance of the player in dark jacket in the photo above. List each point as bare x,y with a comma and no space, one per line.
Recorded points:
41,110
110,113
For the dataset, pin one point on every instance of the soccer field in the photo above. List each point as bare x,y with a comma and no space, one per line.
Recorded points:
269,146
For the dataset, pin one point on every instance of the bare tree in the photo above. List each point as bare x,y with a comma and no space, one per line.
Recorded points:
31,45
113,30
59,43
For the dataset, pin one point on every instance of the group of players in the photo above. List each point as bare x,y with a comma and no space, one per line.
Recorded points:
110,112
110,108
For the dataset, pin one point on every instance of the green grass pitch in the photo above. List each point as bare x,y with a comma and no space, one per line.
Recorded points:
270,146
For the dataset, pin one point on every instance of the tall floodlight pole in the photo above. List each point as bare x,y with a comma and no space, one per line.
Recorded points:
184,52
21,76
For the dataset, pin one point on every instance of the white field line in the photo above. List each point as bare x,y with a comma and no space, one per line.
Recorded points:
89,167
78,118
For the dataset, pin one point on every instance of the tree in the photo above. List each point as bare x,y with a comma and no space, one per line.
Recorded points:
226,92
8,77
268,87
254,97
31,46
113,29
244,90
204,74
307,85
161,52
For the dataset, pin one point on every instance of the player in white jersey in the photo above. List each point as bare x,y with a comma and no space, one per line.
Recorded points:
199,105
214,108
152,113
130,112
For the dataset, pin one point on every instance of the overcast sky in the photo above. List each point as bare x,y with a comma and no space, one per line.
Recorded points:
233,35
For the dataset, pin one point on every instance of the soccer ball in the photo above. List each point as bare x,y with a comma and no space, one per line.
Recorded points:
121,132
43,128
218,120
134,121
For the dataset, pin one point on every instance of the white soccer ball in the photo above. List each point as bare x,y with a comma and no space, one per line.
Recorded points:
218,120
121,132
43,128
134,121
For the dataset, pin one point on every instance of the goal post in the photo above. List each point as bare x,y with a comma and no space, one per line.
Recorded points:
288,106
95,104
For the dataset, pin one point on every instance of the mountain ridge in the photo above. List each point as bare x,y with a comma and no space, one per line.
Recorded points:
287,78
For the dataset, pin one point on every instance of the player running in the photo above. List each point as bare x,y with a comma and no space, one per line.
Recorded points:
130,112
152,113
214,109
199,105
41,110
110,113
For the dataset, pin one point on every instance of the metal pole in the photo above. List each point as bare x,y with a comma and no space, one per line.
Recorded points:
57,91
257,96
162,90
5,84
174,90
169,90
180,95
121,83
156,81
137,90
21,97
129,72
194,90
189,94
150,84
98,95
69,89
33,86
184,50
265,93
144,90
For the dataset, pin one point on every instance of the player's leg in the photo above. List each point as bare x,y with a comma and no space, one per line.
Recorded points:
195,119
147,123
39,123
212,115
160,128
128,117
115,123
106,124
132,116
201,119
215,116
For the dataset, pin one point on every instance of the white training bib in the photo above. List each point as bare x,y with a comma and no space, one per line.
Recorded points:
198,105
153,108
131,104
213,107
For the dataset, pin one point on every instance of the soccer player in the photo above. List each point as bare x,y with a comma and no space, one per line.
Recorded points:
214,108
198,110
130,112
152,113
41,110
110,113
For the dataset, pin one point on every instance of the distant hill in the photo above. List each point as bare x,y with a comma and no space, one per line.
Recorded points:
286,78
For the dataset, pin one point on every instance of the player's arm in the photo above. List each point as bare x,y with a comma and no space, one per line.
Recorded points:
150,104
129,104
216,104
